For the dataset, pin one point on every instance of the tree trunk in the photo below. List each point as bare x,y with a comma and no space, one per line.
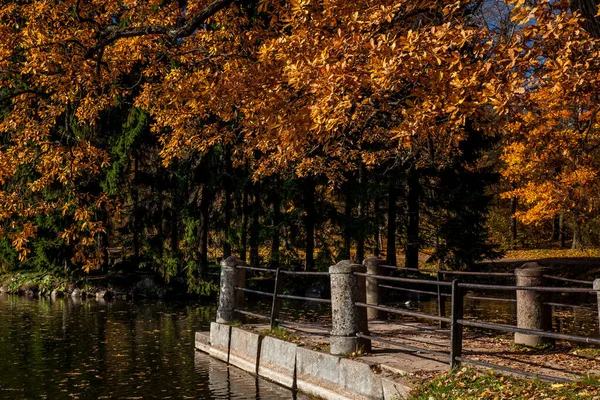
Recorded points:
228,205
347,224
556,228
174,237
102,240
412,227
254,228
577,237
513,223
377,230
244,229
391,224
204,227
563,232
136,212
161,233
275,239
360,236
309,223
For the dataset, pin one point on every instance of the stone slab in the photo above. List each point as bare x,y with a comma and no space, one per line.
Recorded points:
244,349
317,374
220,335
393,390
278,361
358,379
203,341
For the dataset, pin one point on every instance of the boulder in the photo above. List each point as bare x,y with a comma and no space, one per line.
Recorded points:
103,294
148,287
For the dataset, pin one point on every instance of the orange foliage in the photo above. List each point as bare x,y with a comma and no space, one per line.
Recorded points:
312,87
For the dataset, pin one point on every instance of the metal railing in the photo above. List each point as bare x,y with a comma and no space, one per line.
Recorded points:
457,322
277,295
457,292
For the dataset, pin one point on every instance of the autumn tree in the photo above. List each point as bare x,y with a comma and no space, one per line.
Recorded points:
551,155
236,99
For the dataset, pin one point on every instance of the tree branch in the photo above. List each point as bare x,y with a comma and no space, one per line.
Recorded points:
113,33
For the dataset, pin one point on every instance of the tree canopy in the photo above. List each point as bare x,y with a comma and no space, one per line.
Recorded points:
178,126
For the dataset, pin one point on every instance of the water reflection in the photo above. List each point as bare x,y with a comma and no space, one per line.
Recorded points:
55,349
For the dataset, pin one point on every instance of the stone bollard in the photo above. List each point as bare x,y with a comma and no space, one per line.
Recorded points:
374,295
347,319
597,287
229,299
531,311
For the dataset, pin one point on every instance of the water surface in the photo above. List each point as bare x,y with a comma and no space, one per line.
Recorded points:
114,350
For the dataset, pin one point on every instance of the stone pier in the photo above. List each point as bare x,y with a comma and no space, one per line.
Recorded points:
347,319
532,313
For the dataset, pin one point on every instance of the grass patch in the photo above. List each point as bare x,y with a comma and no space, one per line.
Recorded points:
281,333
40,282
532,254
469,384
589,352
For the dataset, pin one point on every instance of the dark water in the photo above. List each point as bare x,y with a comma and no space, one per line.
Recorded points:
116,350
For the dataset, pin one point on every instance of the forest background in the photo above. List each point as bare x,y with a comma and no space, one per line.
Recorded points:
165,135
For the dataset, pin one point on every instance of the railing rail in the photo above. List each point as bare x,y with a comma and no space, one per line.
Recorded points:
277,294
457,292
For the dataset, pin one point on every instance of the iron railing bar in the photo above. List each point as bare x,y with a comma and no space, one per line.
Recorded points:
243,312
409,280
559,278
256,268
535,288
402,345
513,370
491,299
484,298
447,272
400,268
241,289
571,306
404,312
314,299
408,290
511,328
470,273
308,273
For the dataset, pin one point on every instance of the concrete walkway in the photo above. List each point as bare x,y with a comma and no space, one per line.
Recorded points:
563,361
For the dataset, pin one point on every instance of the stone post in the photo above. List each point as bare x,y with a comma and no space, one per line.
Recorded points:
374,293
597,287
347,319
531,311
231,276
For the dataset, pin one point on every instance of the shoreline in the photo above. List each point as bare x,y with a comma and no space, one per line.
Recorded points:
130,286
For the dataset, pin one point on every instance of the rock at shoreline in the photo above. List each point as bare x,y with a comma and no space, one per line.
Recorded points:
30,289
76,293
3,289
103,294
147,287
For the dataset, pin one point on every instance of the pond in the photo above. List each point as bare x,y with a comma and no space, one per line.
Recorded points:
114,350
